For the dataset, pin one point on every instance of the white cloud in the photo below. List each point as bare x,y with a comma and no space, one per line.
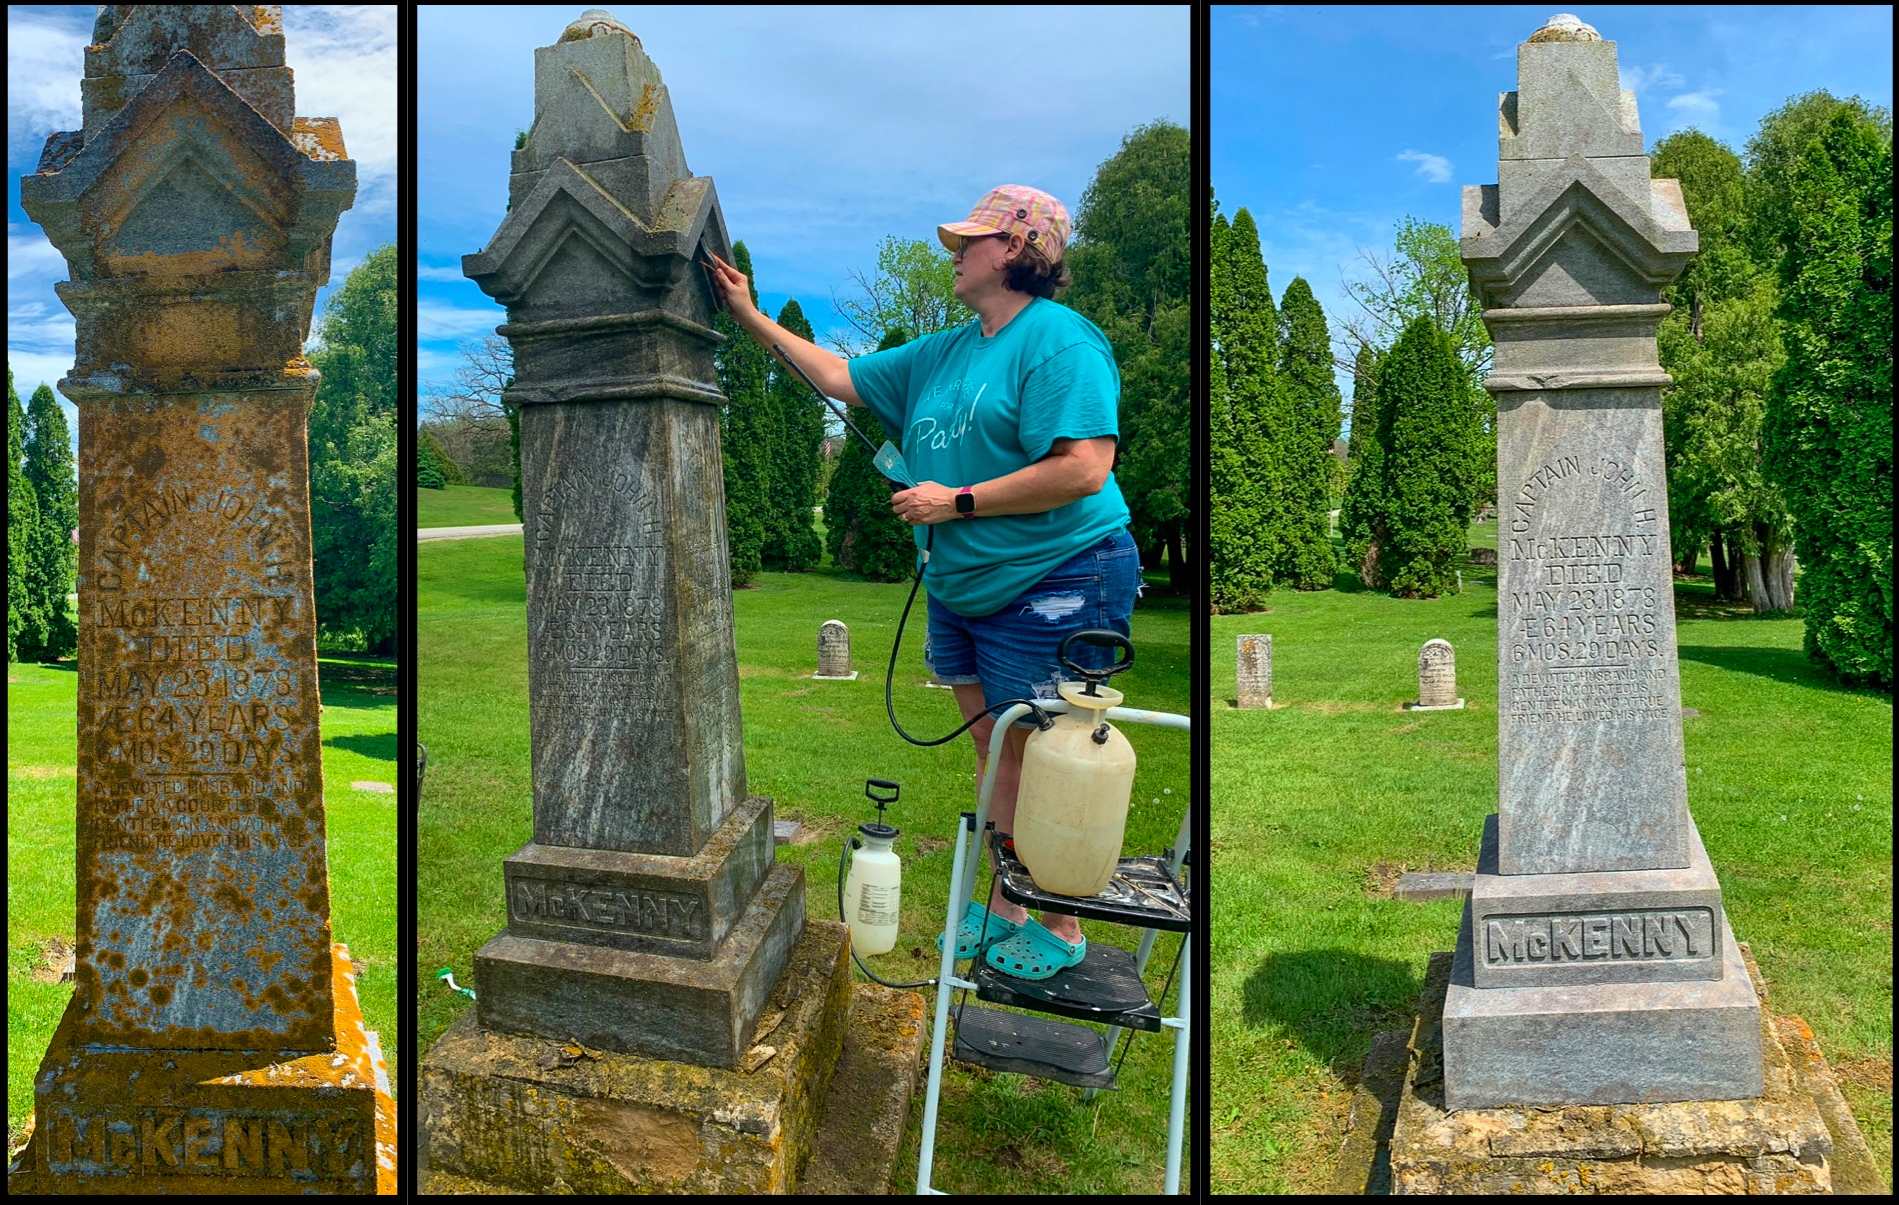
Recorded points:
1656,75
452,274
31,369
45,58
436,322
1434,168
29,253
1696,109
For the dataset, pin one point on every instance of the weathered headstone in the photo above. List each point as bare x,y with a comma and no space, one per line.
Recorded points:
647,919
1595,964
213,1042
1253,664
834,653
1437,678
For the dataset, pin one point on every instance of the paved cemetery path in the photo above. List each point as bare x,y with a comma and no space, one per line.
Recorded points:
462,533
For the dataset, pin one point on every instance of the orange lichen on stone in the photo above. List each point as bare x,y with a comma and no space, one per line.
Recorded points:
319,138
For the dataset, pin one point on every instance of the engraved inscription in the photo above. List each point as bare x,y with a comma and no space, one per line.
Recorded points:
208,1142
1639,936
615,909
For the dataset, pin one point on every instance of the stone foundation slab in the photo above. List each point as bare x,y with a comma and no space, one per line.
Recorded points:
1775,1142
505,1113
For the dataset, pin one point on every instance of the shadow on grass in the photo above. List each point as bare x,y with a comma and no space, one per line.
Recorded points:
1782,665
69,666
1332,1001
378,747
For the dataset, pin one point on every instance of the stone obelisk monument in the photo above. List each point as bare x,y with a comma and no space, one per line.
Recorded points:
213,1042
648,921
1595,964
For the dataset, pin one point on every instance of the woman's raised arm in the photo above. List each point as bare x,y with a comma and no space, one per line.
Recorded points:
830,371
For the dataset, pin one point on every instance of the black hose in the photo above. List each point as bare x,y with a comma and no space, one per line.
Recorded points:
1042,719
849,845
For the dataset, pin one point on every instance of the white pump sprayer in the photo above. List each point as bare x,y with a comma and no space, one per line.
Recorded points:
873,890
1071,807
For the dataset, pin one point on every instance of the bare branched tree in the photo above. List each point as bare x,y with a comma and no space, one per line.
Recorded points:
1423,275
475,394
911,287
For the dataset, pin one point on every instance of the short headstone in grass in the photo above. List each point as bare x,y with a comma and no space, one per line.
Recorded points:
834,652
1253,666
649,925
1595,964
213,1041
1437,678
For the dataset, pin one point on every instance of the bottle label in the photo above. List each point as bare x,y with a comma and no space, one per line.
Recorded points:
877,905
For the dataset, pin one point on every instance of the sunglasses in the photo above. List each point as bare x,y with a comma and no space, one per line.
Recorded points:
964,240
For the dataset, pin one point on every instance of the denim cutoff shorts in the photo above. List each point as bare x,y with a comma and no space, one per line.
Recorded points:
1011,654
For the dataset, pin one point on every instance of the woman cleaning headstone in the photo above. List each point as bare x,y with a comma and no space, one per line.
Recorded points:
1009,424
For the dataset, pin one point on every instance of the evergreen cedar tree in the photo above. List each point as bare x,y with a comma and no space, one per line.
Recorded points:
1274,411
1312,401
863,534
1828,427
354,462
1132,264
1244,536
22,516
796,451
428,464
48,632
1410,498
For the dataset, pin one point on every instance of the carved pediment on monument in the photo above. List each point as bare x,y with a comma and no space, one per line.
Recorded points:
570,249
1576,238
189,178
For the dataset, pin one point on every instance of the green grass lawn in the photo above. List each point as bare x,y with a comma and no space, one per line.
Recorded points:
810,745
464,506
1317,805
359,745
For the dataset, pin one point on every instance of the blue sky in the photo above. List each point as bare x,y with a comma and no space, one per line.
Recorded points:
824,129
344,59
1330,124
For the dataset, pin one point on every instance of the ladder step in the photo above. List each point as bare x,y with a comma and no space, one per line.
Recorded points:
1143,892
1028,1045
1102,987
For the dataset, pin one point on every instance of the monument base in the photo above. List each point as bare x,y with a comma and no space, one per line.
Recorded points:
1596,927
1600,1044
527,1115
1774,1142
1457,706
659,1005
850,677
122,1121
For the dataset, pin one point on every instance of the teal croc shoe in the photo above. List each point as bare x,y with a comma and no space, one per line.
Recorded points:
970,937
1035,953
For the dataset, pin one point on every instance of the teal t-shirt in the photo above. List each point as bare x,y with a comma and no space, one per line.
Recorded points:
972,409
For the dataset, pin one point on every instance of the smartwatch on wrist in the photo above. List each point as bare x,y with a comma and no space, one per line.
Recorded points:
965,503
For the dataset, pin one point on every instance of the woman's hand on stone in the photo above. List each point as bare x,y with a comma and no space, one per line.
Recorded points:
927,503
734,288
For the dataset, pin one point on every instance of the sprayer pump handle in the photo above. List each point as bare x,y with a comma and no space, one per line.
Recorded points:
873,785
1102,638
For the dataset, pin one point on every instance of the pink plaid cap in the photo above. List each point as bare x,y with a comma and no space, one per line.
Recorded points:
1016,209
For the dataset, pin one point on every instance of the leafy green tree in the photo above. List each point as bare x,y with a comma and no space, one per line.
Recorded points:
1132,263
50,553
745,435
791,542
1246,534
1722,346
354,461
863,534
1364,405
1311,396
1828,427
428,463
1774,155
1426,430
22,516
1424,276
912,288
